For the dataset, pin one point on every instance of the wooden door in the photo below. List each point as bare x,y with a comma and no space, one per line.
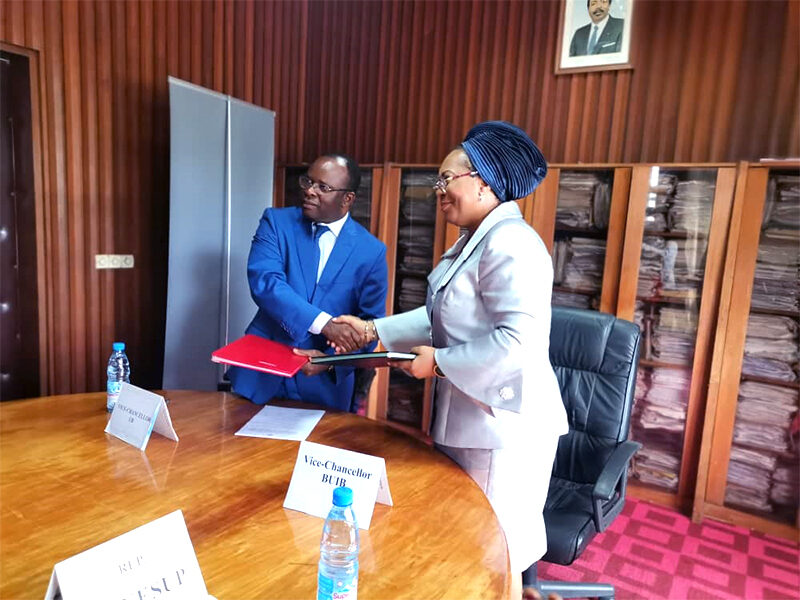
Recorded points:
579,212
19,318
676,230
749,464
416,235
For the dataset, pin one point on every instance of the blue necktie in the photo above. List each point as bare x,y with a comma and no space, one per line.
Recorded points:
592,40
319,229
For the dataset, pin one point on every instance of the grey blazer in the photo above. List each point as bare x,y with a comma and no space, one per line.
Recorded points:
488,316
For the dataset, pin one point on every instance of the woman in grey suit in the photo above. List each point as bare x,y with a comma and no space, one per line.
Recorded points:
484,334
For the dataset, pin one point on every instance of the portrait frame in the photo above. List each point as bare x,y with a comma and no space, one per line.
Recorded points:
612,49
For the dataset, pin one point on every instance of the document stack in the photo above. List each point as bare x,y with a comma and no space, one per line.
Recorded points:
763,472
579,249
669,289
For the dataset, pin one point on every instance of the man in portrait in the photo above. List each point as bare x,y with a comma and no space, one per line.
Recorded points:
602,36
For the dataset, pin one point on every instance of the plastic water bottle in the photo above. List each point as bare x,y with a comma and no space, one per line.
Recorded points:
119,370
338,551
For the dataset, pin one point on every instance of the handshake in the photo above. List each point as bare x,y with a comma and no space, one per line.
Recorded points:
347,333
344,333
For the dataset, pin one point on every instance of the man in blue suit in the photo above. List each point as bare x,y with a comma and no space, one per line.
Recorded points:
307,265
602,36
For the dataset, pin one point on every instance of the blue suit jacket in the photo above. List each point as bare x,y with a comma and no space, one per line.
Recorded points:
282,276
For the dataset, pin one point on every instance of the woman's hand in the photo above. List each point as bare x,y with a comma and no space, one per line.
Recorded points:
422,366
309,368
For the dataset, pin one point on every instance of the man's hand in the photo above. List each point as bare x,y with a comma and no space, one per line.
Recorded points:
308,368
342,336
420,367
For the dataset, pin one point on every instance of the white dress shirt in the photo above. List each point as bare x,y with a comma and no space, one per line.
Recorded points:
326,243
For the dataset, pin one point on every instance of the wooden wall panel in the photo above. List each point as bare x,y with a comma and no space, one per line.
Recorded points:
106,316
76,212
88,124
712,81
104,152
395,80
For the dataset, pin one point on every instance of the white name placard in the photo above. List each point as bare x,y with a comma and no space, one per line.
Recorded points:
137,414
156,560
319,469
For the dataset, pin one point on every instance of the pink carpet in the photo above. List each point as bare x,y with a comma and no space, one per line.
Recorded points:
653,552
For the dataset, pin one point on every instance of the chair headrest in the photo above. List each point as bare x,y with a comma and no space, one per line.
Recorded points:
595,356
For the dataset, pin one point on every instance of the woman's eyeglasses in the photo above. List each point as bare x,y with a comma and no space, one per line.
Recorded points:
307,183
441,183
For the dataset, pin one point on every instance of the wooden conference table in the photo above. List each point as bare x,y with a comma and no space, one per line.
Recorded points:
65,486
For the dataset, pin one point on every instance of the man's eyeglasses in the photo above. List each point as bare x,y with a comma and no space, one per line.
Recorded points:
441,183
307,183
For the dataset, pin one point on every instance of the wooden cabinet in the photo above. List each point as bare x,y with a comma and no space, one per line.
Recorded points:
704,257
676,229
749,466
414,231
579,211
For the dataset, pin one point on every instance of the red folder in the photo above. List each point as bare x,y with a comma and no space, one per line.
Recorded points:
260,354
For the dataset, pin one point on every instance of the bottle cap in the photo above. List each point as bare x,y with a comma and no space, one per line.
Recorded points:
118,346
342,496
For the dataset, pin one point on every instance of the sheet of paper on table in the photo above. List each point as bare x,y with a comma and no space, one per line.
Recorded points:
279,423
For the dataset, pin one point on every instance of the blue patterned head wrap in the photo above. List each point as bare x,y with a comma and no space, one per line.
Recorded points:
505,158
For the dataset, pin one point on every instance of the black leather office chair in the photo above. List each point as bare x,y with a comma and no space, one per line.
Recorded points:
595,357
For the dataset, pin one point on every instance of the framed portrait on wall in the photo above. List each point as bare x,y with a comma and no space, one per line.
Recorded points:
595,35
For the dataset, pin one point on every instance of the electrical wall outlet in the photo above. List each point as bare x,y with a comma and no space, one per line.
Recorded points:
113,261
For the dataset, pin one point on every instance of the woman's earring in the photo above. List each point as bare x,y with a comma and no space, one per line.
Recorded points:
480,196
